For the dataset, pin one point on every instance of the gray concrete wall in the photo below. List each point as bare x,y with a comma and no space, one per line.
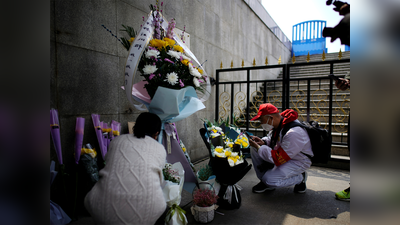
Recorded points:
87,63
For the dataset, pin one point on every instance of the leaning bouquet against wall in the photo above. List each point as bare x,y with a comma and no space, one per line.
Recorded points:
173,83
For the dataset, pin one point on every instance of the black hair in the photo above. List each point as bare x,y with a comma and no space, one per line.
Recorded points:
146,124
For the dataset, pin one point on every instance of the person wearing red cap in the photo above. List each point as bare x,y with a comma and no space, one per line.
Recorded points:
278,162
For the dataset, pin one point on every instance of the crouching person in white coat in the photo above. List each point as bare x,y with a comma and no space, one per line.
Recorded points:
280,162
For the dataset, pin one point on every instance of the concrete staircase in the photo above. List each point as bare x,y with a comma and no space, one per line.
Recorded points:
299,89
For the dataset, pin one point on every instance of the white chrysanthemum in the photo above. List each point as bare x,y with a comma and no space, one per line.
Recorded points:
185,57
194,71
213,135
234,154
176,55
151,53
172,78
149,69
196,82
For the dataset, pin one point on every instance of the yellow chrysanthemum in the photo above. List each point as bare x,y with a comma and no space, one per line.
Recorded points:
200,71
228,153
184,149
234,159
131,40
185,62
169,41
178,48
230,145
214,130
245,145
219,149
157,43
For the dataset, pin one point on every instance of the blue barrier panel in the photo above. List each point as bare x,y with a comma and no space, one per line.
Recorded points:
307,38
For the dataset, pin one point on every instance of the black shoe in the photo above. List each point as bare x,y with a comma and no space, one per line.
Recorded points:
302,187
261,187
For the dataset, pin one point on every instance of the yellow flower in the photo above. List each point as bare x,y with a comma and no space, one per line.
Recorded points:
184,149
178,48
185,62
234,159
245,145
200,71
214,130
131,40
157,43
230,145
219,149
169,41
228,153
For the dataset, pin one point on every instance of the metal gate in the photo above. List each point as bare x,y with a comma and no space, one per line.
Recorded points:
314,98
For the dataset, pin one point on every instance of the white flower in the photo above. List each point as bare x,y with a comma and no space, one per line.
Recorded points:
234,154
185,57
213,135
172,78
176,55
194,72
149,69
151,53
196,82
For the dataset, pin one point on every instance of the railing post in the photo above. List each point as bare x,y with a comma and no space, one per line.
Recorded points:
284,86
232,102
308,99
216,95
248,100
330,99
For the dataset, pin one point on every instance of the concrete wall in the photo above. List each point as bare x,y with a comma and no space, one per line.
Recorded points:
87,63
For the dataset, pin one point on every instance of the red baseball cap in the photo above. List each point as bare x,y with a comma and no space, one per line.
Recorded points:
265,109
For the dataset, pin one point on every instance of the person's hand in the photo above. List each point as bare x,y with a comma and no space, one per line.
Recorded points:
258,140
254,144
342,84
344,9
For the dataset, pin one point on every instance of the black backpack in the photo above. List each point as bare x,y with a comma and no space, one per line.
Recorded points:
320,139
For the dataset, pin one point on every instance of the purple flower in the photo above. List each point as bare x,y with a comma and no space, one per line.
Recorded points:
162,3
154,63
167,60
200,81
181,83
152,48
159,75
151,76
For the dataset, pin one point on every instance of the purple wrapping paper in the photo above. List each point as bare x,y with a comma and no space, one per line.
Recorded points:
178,156
99,134
79,131
55,134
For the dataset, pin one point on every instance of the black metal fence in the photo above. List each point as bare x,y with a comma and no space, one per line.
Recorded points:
314,98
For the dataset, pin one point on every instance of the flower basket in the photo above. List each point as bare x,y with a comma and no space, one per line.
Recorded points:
204,203
203,214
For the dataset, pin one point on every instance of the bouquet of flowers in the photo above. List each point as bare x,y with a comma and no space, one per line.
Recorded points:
171,174
174,84
174,176
227,161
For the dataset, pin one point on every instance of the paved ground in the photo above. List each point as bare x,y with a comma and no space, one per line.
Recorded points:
282,206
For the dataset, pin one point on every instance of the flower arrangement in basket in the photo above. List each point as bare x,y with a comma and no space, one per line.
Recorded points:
227,144
204,201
